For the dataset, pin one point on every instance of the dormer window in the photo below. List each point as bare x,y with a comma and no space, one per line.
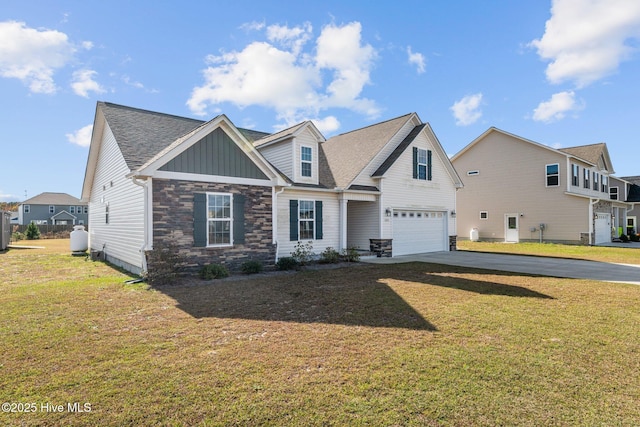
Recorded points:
306,159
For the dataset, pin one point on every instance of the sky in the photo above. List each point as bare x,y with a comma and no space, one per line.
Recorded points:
561,73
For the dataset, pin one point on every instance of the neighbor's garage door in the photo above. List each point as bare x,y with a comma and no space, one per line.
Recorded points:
603,228
416,232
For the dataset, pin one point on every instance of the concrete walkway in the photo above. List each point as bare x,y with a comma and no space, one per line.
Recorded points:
544,266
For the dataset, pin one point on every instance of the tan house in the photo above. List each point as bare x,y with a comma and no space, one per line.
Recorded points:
518,190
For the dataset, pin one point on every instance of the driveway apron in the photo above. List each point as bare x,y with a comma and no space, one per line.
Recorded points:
543,266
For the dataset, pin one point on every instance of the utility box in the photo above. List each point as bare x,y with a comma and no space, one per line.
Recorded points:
474,235
5,230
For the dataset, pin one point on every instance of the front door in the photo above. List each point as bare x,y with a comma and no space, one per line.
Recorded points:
511,233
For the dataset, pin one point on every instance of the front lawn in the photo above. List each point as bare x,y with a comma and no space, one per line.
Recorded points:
620,255
409,344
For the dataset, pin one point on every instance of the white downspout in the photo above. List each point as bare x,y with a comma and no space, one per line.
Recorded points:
148,213
274,216
591,221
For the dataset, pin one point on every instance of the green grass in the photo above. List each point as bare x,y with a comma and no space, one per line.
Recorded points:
620,255
409,344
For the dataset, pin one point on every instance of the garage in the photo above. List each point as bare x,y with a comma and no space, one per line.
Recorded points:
603,228
416,232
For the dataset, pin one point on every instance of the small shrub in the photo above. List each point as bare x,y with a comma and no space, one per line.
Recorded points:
17,236
329,256
634,238
32,232
351,255
624,238
302,252
286,263
252,267
213,271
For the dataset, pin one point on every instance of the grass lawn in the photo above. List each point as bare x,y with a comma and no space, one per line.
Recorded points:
409,344
620,255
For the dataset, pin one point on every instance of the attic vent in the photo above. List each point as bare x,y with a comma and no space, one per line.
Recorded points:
472,173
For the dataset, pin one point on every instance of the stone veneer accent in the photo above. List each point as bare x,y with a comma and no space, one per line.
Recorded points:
173,222
381,247
453,243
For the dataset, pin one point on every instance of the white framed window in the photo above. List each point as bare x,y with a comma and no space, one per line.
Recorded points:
484,215
52,209
86,209
473,173
613,193
553,175
575,175
219,219
106,213
596,185
306,161
26,208
587,180
72,209
605,184
422,164
306,219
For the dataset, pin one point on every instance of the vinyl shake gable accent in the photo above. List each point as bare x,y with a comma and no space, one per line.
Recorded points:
220,194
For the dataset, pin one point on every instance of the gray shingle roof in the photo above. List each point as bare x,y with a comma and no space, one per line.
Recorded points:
344,156
53,199
141,134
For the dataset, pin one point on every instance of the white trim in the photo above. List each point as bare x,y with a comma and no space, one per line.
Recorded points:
546,175
486,215
211,178
310,162
230,219
313,220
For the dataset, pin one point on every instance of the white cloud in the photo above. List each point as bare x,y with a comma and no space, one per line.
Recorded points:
281,75
327,125
556,108
585,40
83,83
417,59
467,110
32,55
81,137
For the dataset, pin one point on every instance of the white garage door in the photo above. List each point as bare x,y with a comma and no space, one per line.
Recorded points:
416,232
603,228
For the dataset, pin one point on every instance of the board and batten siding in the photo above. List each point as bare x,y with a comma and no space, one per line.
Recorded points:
402,191
330,221
122,238
511,179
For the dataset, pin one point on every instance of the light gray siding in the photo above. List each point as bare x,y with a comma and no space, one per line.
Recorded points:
122,237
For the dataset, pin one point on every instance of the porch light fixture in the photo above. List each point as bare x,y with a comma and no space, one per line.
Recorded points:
387,212
453,214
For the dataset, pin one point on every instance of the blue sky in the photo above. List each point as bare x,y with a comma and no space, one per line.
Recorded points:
561,73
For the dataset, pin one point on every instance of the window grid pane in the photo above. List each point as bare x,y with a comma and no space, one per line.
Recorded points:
306,217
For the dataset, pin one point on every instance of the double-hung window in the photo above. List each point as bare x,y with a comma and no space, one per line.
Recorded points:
306,159
613,193
52,209
605,184
219,219
596,186
575,175
587,181
553,175
72,209
422,164
26,208
306,219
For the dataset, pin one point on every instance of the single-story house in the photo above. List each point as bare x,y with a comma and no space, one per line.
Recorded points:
519,190
222,194
53,209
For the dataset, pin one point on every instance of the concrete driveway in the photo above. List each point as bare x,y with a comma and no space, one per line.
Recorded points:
544,266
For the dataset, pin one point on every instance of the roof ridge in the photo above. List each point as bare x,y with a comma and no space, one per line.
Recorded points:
374,124
143,110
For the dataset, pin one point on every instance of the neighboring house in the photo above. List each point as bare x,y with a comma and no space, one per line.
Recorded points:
633,197
519,190
53,209
226,195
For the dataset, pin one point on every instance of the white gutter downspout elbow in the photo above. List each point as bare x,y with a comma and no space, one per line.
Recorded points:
145,221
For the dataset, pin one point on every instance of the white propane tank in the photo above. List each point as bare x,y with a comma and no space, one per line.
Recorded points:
79,240
475,236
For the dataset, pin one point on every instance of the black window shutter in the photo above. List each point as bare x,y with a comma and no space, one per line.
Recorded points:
200,220
293,220
318,220
429,165
238,218
415,162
